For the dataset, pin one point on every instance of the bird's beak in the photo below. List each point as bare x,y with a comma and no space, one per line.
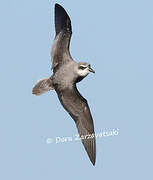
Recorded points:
91,70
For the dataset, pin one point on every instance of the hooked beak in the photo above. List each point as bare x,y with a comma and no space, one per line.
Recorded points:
91,70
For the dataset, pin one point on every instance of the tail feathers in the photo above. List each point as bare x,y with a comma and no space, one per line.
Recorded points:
42,86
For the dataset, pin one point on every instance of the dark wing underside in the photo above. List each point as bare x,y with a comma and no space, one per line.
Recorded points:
79,110
60,49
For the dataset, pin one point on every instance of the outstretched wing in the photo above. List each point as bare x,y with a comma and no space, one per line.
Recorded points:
60,49
79,110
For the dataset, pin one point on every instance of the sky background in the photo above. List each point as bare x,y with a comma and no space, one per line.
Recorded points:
116,38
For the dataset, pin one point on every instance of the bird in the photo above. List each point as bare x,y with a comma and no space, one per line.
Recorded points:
66,74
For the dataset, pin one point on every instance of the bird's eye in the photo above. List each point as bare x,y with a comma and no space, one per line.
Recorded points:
82,67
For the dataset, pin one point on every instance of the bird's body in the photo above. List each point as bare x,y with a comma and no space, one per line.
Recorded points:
66,73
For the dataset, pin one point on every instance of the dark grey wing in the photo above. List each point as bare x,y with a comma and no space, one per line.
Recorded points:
60,49
79,110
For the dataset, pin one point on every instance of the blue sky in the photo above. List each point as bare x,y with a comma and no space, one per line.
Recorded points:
116,38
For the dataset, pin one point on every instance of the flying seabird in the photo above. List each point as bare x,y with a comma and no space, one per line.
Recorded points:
66,73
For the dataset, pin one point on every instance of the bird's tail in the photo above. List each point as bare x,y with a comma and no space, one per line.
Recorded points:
42,86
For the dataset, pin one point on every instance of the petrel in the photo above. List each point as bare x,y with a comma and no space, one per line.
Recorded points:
66,73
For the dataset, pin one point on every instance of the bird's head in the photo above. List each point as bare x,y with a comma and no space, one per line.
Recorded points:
83,69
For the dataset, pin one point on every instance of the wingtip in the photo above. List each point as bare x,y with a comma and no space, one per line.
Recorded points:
93,162
58,6
91,151
62,19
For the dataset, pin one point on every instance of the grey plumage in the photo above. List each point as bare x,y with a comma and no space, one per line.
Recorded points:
66,73
42,86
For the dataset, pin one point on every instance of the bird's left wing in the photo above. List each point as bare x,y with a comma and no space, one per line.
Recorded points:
79,110
60,49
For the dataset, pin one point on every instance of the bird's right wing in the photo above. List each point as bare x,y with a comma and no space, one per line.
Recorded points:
60,49
79,110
